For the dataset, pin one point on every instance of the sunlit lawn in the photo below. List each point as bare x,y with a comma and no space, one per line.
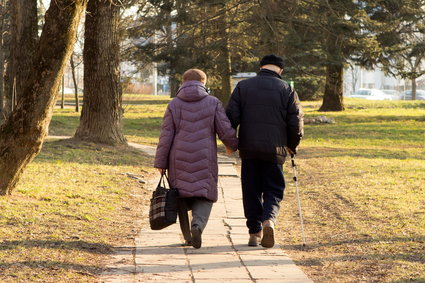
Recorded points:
362,184
73,204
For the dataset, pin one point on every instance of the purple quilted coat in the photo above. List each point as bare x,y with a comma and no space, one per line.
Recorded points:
187,144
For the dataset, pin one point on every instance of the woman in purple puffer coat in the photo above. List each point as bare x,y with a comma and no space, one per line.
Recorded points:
187,148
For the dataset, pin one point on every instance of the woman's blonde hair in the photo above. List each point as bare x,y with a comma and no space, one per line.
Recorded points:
194,75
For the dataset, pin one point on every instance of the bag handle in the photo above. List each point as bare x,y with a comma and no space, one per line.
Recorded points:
163,181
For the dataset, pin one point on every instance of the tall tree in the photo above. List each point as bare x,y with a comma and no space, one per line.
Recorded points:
198,33
220,26
2,29
101,115
22,134
74,80
327,34
22,47
401,27
283,30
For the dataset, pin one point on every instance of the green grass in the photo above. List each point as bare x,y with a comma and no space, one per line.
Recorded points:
142,118
73,204
362,190
361,182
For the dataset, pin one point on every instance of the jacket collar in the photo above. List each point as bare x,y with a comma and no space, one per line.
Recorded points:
192,91
269,73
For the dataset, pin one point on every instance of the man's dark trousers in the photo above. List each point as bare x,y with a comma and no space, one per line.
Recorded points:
263,185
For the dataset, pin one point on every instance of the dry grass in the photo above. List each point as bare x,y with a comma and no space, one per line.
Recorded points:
72,206
361,181
363,195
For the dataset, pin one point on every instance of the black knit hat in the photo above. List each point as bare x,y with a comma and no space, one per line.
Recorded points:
272,60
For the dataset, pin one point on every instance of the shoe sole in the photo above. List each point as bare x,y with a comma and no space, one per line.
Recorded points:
268,237
252,244
196,238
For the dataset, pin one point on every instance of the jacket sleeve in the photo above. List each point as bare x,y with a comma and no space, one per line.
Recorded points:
224,129
166,138
295,121
233,109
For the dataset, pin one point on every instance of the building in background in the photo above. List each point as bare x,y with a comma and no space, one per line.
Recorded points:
356,77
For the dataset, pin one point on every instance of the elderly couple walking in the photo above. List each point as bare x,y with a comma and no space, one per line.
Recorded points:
270,120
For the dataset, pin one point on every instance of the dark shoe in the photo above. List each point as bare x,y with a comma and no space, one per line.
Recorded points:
254,239
196,236
268,234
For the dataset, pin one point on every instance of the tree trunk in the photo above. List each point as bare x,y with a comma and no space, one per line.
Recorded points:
74,79
225,69
333,97
22,134
63,92
223,61
2,15
101,116
23,41
174,83
413,88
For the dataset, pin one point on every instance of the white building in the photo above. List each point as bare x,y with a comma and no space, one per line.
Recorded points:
356,77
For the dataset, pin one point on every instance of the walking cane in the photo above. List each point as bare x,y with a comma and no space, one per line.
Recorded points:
298,197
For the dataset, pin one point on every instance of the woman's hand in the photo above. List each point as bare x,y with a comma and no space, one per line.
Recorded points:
161,170
229,151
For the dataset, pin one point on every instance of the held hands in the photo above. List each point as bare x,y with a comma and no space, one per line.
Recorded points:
291,151
229,151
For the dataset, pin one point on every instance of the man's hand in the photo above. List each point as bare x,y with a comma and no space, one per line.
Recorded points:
229,151
291,151
161,171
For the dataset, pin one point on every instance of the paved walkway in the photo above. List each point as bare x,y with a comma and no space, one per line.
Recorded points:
158,256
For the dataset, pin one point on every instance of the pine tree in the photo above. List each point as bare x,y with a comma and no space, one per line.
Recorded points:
400,26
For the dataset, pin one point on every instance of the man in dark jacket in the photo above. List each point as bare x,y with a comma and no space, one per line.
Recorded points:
270,120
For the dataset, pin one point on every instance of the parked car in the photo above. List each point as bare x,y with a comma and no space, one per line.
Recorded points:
393,93
407,95
371,94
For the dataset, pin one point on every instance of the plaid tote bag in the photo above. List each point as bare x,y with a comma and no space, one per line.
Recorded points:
163,206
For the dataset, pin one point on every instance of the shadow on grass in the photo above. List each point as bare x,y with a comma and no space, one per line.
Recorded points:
89,270
410,280
96,248
353,118
313,246
74,151
63,125
405,256
318,152
411,257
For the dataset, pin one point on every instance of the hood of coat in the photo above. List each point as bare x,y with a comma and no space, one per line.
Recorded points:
192,91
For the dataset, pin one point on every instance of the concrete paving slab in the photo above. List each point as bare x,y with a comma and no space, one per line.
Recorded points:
227,170
158,256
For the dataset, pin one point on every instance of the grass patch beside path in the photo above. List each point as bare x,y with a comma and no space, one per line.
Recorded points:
362,183
142,118
363,195
73,204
